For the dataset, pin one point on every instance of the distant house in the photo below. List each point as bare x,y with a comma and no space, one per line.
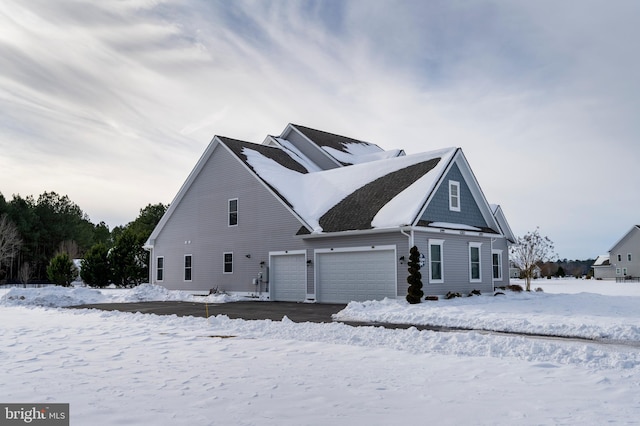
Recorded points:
623,260
602,269
318,217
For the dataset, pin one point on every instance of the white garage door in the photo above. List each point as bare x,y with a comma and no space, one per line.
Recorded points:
288,277
344,276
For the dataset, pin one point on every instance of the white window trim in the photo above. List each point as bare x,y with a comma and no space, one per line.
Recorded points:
184,268
157,269
618,271
224,263
500,274
624,271
454,184
440,243
479,247
229,212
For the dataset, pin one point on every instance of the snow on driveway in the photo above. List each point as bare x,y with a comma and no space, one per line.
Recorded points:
124,368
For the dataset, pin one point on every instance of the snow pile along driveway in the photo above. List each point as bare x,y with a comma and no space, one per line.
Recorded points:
123,368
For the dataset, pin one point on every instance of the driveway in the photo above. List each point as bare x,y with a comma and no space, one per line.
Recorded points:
296,312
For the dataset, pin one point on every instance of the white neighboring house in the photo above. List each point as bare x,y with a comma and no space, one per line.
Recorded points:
623,260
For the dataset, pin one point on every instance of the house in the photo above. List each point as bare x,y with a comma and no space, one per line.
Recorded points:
602,269
318,217
623,260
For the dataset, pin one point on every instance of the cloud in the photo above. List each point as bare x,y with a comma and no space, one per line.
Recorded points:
541,96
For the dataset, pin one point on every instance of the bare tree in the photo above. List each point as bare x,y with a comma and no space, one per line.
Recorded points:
10,241
530,250
25,273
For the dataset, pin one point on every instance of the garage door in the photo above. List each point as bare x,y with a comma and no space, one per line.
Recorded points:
288,277
343,276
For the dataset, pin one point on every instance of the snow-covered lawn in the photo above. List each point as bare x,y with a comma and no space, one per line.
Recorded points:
121,368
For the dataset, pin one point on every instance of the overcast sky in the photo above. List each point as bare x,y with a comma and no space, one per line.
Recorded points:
113,102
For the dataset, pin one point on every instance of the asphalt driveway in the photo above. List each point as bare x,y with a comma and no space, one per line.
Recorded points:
255,310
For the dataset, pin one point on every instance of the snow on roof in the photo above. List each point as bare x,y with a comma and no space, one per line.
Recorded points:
314,194
602,260
356,153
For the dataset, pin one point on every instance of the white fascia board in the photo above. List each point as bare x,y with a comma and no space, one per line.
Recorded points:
434,190
183,190
476,190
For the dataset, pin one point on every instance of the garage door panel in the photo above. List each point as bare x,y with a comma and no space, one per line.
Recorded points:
288,278
356,275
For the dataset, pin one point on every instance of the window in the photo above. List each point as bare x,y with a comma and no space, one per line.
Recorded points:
228,263
435,261
497,264
454,196
187,267
475,272
624,271
159,268
629,257
617,271
233,212
619,258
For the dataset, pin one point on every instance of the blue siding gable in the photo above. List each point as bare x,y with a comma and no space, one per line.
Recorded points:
438,208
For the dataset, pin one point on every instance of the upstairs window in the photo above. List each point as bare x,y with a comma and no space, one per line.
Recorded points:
454,196
629,257
619,258
187,267
233,212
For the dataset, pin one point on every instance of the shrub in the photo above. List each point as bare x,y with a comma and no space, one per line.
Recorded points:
61,270
515,288
431,298
474,293
452,295
539,290
414,292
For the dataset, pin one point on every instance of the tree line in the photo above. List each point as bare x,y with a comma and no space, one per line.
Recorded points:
35,232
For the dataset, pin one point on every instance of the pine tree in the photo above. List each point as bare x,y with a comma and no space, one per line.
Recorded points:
414,293
61,270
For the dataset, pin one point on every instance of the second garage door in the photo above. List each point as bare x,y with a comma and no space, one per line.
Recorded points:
355,275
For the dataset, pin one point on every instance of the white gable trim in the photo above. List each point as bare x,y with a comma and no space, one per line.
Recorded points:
459,159
215,143
183,190
625,237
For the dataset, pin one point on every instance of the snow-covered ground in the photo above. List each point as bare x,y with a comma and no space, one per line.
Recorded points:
123,368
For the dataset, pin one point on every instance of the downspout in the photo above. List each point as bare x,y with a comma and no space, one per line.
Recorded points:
493,278
409,236
149,248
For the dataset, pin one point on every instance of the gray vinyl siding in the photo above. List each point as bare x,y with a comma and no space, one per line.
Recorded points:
438,209
455,264
311,151
630,244
199,226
